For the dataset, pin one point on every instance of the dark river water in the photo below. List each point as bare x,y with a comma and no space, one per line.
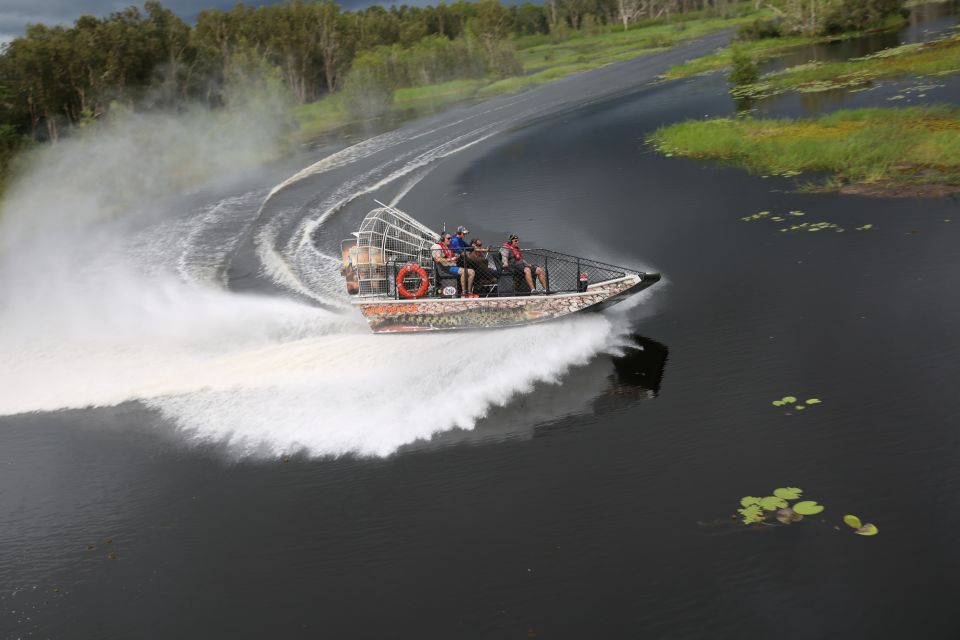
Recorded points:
567,480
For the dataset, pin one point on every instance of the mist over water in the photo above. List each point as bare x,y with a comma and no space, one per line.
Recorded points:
116,289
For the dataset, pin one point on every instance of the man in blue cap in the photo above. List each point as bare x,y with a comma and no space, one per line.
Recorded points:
459,243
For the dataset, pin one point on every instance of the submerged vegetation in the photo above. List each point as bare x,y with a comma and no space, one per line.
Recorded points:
915,149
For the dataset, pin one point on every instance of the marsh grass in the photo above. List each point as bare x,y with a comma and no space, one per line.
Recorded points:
598,50
762,50
934,58
759,50
916,145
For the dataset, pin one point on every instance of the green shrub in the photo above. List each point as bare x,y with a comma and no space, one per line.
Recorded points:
759,30
368,87
743,70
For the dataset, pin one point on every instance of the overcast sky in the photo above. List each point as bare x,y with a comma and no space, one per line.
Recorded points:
15,15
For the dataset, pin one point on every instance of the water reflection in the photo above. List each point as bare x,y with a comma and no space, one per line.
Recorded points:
607,383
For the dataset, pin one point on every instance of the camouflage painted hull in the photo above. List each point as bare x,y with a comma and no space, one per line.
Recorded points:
431,314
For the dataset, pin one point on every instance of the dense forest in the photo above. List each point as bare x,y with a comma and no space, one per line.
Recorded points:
55,79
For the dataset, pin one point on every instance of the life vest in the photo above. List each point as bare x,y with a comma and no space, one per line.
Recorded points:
447,252
517,254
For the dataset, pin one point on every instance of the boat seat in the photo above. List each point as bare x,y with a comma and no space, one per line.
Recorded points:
443,279
484,285
512,283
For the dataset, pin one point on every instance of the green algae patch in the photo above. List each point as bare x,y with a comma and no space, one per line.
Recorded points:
881,148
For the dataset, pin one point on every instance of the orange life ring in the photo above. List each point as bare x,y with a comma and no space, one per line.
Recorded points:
424,281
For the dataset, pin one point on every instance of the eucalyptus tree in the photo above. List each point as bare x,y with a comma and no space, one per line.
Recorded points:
813,17
491,26
530,19
171,50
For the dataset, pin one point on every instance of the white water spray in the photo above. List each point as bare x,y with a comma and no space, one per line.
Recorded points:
114,292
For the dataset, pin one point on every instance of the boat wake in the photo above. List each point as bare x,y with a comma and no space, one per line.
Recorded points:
117,292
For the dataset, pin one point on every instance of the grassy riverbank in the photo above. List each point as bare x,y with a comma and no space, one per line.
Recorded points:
878,151
935,58
542,60
763,50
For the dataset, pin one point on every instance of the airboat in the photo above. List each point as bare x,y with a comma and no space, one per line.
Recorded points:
397,285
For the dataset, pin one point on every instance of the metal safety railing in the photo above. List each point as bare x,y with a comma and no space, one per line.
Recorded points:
392,255
549,272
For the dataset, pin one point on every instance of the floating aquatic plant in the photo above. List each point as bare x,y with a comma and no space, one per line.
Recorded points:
787,400
801,226
788,493
808,508
865,227
859,528
776,508
758,510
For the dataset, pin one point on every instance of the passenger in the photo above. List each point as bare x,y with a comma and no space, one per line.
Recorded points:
459,243
446,261
478,249
477,259
512,258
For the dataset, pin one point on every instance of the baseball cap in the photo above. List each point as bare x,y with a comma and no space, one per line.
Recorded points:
462,229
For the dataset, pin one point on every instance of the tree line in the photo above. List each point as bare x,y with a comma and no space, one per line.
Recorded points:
824,17
54,78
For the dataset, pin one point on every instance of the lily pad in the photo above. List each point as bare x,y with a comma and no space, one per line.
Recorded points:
808,508
789,399
852,521
814,401
778,403
772,503
799,407
788,493
749,500
867,530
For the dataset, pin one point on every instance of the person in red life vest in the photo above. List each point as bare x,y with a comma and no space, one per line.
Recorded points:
446,260
512,258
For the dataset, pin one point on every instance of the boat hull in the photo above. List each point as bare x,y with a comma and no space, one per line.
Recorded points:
446,314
